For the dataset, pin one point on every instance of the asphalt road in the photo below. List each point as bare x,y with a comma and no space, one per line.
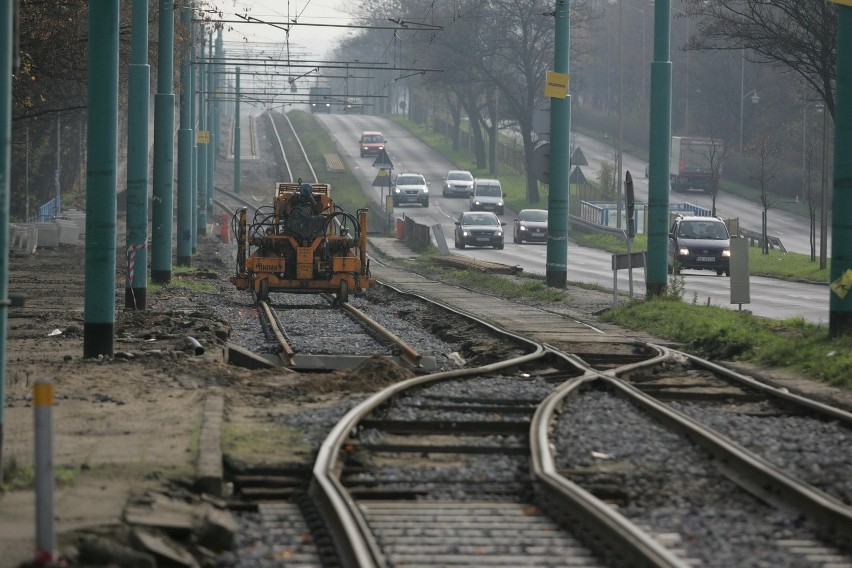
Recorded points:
769,297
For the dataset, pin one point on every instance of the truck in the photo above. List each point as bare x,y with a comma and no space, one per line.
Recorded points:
320,99
693,161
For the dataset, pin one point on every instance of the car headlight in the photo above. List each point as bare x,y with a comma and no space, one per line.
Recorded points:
498,234
726,252
476,202
425,190
499,204
381,148
396,190
683,251
523,228
465,233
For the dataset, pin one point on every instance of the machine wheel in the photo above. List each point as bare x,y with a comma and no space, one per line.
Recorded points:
426,202
460,244
499,247
519,239
343,292
263,294
719,272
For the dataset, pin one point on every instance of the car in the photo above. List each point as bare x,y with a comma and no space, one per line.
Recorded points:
479,229
410,188
372,143
530,225
699,243
487,195
458,182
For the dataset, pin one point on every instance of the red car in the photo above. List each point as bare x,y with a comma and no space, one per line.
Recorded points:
372,143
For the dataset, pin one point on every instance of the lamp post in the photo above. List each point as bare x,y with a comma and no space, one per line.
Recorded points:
755,98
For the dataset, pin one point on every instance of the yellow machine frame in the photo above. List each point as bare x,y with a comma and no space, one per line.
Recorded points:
306,244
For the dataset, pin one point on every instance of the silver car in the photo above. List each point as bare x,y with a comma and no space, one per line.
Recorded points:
410,188
458,183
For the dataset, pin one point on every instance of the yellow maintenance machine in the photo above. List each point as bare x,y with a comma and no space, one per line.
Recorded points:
304,243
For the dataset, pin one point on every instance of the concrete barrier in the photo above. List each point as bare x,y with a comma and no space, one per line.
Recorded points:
48,234
23,239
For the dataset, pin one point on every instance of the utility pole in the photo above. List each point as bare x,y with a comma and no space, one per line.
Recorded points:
164,129
840,305
138,114
101,181
184,170
556,268
656,272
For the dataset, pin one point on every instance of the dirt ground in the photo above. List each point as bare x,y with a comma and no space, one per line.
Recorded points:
130,424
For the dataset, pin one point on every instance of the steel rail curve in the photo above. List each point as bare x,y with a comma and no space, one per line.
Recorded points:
752,472
355,541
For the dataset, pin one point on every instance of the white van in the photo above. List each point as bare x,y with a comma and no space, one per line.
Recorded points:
487,195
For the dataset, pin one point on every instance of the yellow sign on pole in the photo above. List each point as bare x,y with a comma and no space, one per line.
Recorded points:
841,285
202,137
556,85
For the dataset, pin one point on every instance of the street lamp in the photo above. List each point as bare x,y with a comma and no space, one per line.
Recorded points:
752,95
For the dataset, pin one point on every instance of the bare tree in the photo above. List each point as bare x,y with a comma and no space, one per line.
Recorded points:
716,153
765,150
797,35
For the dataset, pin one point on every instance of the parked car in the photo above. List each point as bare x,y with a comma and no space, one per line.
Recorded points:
487,195
479,229
458,182
372,143
410,188
530,225
699,243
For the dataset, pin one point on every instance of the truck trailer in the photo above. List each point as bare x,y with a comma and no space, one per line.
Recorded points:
693,161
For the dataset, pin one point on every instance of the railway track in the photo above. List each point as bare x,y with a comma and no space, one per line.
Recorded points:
578,445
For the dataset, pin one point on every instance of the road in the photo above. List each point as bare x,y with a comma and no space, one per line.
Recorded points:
769,297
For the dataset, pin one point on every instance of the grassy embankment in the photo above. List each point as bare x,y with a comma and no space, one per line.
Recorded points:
708,331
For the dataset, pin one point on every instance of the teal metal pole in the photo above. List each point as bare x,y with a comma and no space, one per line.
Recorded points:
193,111
237,135
101,181
840,305
184,169
656,272
217,105
201,199
6,19
164,142
211,128
556,268
138,114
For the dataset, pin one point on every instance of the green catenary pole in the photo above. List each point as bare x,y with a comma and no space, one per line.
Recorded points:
659,144
211,128
138,103
101,181
201,198
184,169
164,132
6,19
193,111
560,135
840,305
237,135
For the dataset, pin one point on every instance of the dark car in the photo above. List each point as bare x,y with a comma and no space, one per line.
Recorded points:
530,225
371,143
479,229
699,243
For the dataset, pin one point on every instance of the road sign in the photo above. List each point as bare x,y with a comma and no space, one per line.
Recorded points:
556,85
383,161
202,137
541,121
540,163
578,158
